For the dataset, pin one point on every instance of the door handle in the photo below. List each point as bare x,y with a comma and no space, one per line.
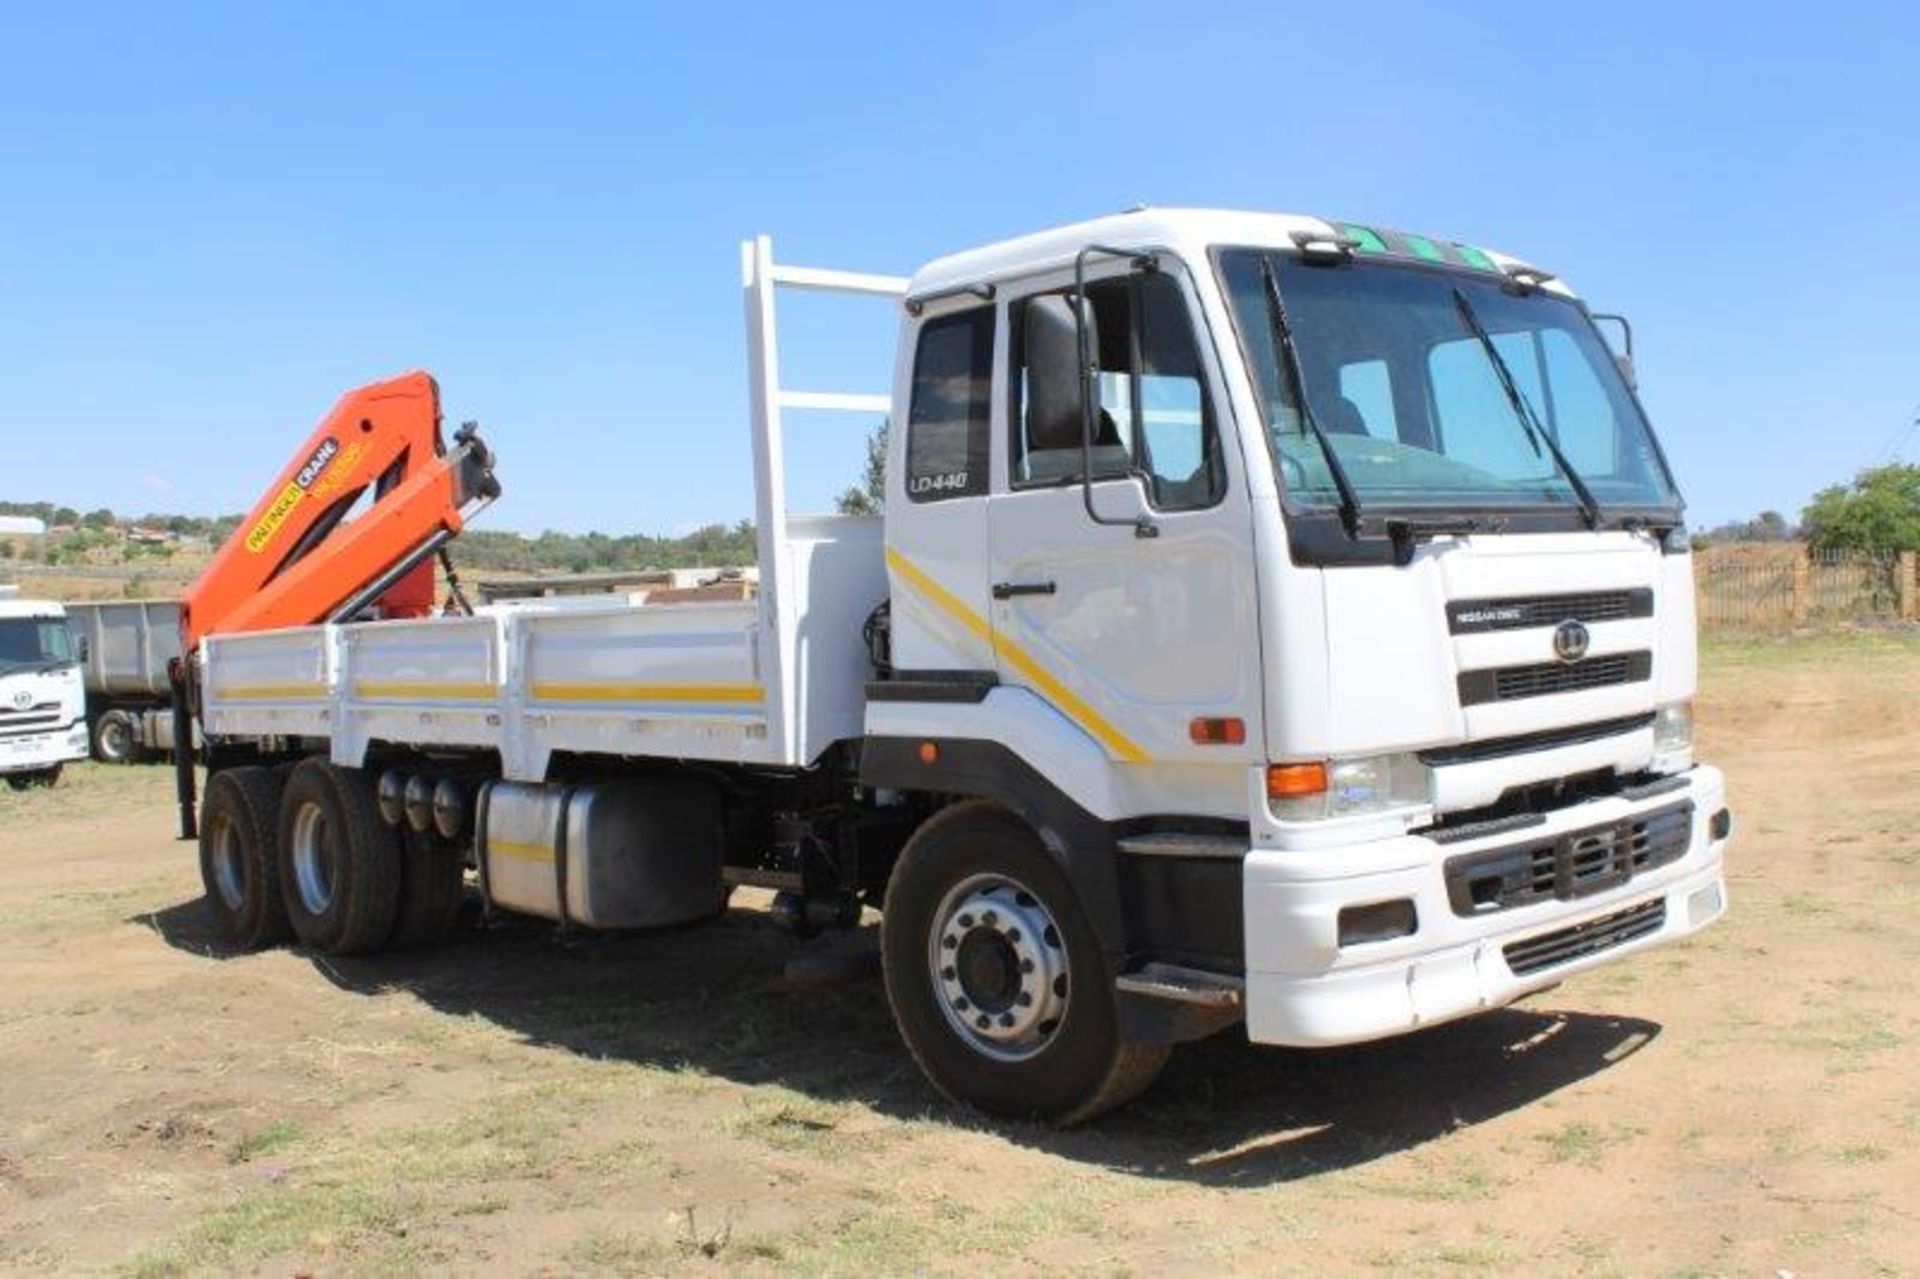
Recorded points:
1007,590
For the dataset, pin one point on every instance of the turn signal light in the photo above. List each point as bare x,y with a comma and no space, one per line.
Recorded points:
1291,781
1208,731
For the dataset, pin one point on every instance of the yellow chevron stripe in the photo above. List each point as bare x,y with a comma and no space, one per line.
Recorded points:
946,599
271,692
728,693
1044,681
442,691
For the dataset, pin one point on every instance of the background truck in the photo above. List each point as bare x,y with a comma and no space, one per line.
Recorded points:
1272,621
125,648
42,706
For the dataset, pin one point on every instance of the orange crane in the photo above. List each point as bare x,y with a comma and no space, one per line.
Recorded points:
296,558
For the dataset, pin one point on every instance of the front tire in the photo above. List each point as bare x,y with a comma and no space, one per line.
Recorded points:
340,866
239,863
996,979
38,777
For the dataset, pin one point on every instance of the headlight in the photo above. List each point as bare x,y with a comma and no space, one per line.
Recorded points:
1673,728
1346,787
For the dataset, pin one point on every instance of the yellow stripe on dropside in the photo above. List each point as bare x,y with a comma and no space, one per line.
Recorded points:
270,692
1064,699
519,852
728,693
448,691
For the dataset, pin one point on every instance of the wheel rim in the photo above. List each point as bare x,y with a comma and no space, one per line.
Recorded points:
229,865
312,859
999,966
117,737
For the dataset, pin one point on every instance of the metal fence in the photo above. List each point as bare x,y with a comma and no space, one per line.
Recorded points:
1759,587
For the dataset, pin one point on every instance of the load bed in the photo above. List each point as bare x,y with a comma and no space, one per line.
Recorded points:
737,681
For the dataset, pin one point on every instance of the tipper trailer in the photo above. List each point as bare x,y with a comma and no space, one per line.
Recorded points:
125,648
1271,621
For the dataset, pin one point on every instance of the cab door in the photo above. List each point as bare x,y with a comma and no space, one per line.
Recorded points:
936,526
1130,607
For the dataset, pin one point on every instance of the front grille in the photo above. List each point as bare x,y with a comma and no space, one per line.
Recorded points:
1526,743
1564,945
1468,617
1569,866
37,718
1514,683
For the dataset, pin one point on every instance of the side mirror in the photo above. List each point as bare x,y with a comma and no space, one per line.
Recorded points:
1625,364
1056,388
83,650
1062,404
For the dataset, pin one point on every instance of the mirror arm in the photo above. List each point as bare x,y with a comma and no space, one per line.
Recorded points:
1143,526
1622,362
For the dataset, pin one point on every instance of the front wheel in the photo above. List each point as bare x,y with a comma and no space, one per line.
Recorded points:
38,777
996,979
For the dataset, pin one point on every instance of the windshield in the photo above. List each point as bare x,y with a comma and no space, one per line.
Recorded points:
1415,407
27,642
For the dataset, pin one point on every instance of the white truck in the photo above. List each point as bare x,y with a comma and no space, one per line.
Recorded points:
1272,621
43,706
125,648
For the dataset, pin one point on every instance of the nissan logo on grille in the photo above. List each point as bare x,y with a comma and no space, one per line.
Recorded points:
1570,640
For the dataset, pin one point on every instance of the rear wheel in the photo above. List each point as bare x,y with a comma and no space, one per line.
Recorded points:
340,866
114,738
996,979
432,878
238,862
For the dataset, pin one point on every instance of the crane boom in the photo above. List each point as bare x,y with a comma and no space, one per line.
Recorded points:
296,559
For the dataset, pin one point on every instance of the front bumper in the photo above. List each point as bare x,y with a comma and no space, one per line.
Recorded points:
30,752
1304,989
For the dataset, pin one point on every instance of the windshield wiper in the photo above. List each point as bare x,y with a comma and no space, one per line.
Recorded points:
1589,506
1283,338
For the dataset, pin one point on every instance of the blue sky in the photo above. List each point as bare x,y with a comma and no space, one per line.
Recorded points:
215,219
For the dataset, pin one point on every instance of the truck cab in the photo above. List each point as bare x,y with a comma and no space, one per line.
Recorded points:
1319,593
43,705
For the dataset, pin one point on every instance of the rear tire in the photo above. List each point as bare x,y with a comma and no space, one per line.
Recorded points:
432,879
340,866
239,861
115,739
996,979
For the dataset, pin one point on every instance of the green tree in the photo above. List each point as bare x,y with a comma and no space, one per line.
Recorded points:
1879,511
102,518
870,495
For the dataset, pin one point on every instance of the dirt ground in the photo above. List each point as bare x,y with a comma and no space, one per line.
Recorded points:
1744,1104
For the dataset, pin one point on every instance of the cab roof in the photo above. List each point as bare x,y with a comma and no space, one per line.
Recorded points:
1189,233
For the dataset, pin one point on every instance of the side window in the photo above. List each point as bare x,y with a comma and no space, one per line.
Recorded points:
947,420
1155,416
